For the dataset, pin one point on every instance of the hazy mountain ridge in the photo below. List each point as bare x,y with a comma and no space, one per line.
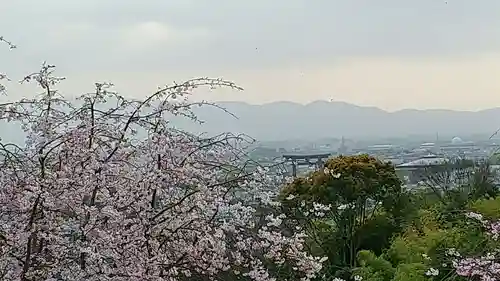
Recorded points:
320,119
285,120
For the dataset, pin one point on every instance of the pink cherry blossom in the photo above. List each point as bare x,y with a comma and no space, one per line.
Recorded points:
106,188
483,267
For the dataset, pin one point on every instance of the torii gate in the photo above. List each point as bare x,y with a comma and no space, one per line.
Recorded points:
305,160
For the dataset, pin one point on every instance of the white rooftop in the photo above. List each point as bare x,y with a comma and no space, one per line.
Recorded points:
425,161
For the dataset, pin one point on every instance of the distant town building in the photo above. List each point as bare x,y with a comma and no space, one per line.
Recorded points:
342,148
415,171
456,140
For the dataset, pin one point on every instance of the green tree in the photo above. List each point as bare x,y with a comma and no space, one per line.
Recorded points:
374,268
366,207
488,207
426,244
458,182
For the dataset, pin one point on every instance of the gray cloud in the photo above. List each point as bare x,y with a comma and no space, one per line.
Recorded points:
388,53
251,33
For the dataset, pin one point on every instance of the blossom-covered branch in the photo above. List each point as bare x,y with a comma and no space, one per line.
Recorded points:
106,188
3,76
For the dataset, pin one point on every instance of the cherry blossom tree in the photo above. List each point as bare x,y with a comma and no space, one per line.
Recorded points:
485,266
105,188
3,76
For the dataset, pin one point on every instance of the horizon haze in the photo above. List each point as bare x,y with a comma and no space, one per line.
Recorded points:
279,121
349,103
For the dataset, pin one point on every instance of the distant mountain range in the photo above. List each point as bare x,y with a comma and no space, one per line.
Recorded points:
323,119
326,120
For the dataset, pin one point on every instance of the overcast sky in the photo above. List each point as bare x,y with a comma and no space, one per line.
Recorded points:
388,53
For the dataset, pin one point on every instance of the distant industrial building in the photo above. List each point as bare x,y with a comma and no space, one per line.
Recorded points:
415,171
